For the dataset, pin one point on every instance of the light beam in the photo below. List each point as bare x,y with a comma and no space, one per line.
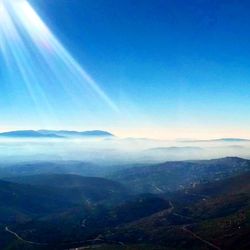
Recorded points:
46,68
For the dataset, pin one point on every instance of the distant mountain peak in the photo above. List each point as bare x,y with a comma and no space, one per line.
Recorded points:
232,139
27,134
220,140
54,134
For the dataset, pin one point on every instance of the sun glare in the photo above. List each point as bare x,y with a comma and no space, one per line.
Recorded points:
26,39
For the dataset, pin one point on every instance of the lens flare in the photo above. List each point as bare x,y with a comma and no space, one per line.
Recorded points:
36,58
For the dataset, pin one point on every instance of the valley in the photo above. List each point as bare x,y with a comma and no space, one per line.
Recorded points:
173,205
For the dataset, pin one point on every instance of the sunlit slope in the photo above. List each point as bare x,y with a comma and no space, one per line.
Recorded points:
171,176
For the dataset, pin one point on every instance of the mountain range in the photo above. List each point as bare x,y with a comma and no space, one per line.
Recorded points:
220,140
54,134
196,205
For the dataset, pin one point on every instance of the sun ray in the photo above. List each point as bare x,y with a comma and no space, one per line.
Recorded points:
35,58
15,49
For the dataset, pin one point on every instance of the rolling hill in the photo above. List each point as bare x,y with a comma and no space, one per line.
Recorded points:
210,209
172,176
55,167
45,194
214,220
76,187
22,202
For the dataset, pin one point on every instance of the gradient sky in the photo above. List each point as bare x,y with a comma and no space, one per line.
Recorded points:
169,69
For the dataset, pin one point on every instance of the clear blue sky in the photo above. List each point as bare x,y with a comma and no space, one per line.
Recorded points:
171,68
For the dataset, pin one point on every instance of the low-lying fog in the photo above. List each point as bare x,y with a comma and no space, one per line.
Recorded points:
119,151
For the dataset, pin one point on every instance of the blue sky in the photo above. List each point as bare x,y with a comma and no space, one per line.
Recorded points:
171,68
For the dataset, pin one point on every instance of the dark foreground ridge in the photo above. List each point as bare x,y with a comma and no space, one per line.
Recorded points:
147,207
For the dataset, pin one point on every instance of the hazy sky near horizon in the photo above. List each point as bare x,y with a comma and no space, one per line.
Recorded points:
166,69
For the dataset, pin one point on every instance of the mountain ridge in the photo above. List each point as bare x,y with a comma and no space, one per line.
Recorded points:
227,139
54,134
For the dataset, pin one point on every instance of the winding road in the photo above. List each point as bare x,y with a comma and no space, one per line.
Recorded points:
170,210
23,240
184,228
